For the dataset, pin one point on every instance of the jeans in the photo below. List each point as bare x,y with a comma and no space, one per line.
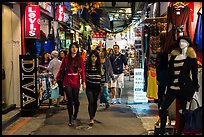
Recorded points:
170,96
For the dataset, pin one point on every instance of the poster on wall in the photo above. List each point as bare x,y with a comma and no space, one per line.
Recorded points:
139,94
28,84
32,21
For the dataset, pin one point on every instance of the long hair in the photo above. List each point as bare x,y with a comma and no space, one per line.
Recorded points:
104,52
43,58
89,61
69,56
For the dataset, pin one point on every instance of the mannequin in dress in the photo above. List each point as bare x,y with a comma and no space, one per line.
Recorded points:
183,61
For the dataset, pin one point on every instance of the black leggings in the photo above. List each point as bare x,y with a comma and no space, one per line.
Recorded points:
72,94
92,95
170,96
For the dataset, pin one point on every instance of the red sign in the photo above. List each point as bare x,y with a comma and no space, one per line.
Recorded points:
99,35
60,13
32,21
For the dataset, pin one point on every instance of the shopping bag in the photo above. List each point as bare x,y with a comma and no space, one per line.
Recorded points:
193,118
54,90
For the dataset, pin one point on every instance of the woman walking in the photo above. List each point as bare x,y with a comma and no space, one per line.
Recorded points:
74,69
93,83
108,73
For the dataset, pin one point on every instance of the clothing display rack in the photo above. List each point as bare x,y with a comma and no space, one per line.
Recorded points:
43,85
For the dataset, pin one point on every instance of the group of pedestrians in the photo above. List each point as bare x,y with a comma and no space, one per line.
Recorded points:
93,73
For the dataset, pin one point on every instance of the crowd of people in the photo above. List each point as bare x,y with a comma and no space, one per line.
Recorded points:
95,72
99,69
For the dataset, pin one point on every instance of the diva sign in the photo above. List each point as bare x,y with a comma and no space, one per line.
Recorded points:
32,21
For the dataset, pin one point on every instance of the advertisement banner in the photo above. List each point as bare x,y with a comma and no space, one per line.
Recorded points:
60,13
99,35
139,94
28,84
32,21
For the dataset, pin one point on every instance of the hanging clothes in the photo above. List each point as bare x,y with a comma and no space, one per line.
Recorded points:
152,88
38,47
198,33
48,46
178,24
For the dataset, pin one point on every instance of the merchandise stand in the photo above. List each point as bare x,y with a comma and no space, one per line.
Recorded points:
43,88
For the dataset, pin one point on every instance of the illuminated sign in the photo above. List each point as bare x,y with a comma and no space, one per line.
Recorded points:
60,13
32,21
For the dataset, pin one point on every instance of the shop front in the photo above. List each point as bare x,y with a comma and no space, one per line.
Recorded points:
11,49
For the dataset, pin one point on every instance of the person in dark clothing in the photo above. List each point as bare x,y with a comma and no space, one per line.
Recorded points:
93,83
120,66
161,71
62,92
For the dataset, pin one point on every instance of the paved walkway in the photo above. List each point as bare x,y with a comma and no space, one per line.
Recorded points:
119,119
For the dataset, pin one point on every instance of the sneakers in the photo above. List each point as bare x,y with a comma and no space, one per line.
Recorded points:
119,100
113,101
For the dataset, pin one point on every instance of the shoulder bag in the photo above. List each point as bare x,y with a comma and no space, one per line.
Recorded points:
193,118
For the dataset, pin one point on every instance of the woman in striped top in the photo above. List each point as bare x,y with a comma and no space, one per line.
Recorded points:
180,85
93,82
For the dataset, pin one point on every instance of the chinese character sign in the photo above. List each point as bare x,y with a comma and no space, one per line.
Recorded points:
60,13
139,94
32,21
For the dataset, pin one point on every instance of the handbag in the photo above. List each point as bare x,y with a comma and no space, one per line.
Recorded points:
193,118
62,74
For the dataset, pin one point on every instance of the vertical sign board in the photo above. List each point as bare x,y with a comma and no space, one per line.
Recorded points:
28,84
139,94
60,13
32,21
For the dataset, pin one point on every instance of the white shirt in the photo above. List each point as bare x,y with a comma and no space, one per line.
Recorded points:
54,66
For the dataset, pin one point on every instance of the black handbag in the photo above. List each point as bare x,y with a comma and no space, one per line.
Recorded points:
62,74
193,118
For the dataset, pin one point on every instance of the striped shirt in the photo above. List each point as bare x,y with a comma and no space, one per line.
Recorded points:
178,64
93,76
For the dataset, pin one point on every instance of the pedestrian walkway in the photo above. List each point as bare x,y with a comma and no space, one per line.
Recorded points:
119,119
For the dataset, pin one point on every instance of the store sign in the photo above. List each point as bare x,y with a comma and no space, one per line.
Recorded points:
28,83
60,13
99,35
139,94
32,21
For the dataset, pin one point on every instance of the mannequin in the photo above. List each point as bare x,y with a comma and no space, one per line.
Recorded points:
182,61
